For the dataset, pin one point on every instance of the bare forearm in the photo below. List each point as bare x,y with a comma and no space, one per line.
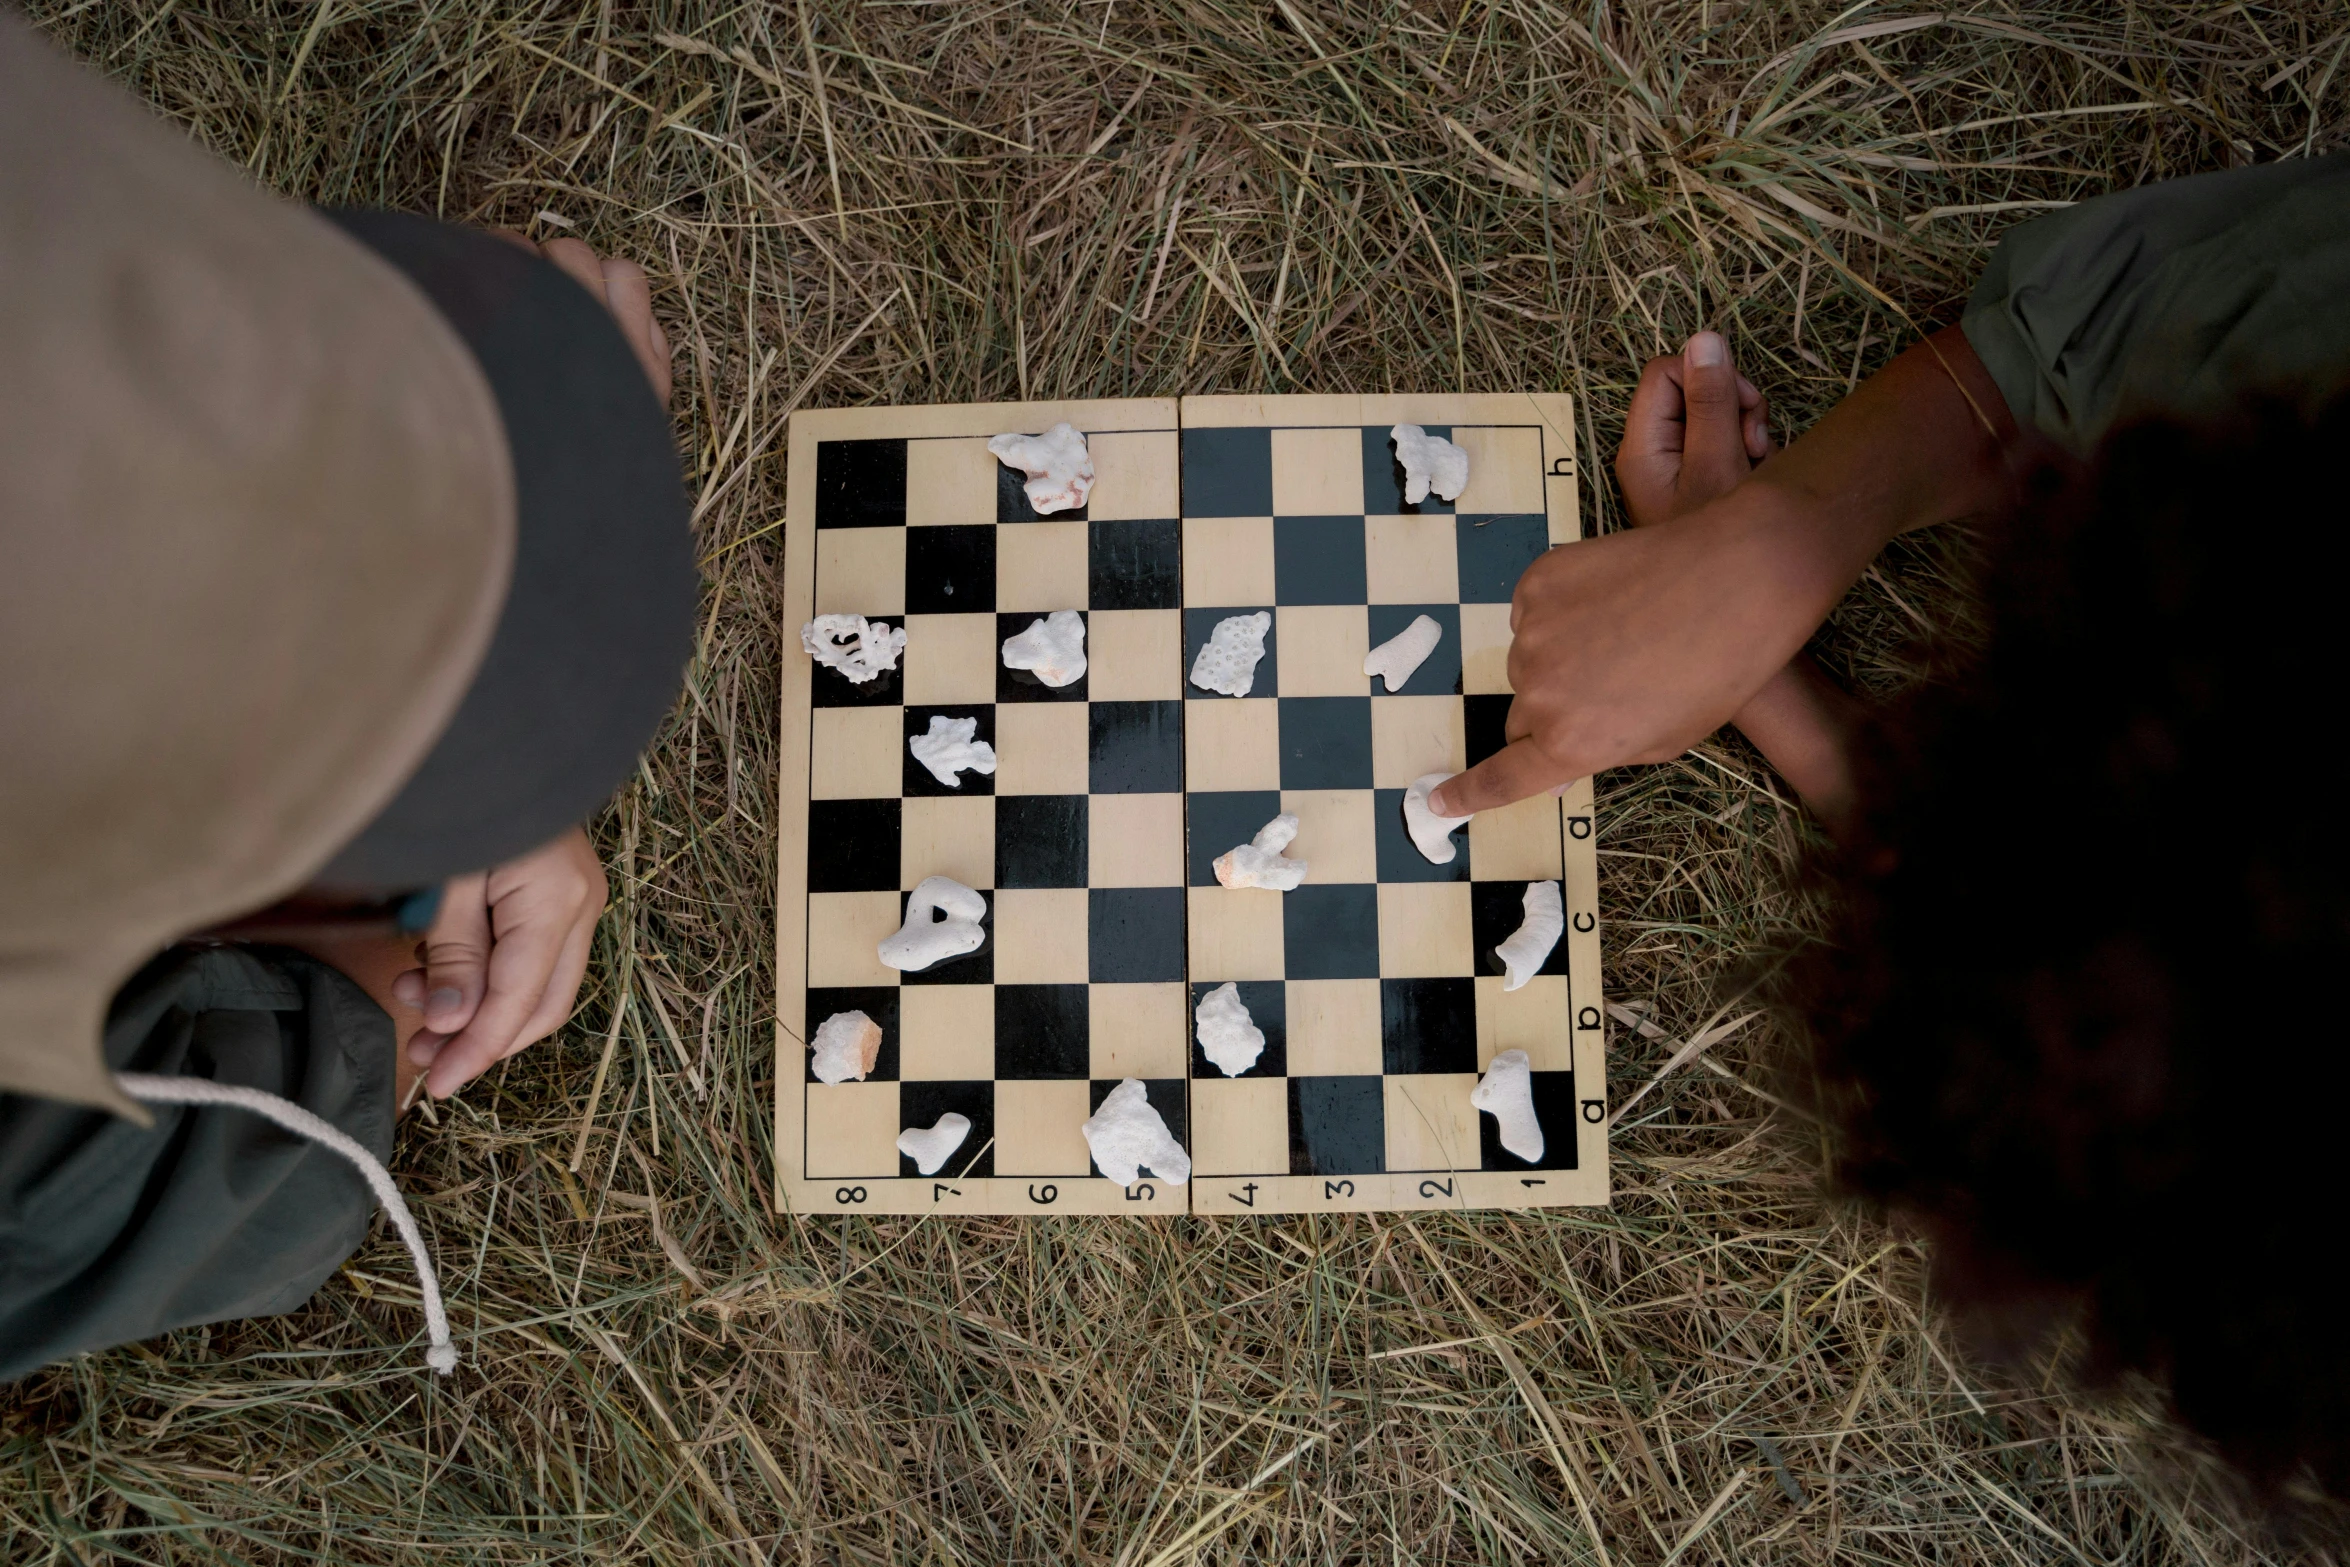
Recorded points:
1803,724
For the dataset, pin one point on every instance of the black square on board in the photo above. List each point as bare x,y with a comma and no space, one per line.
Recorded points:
860,484
920,1104
1439,673
1199,625
1399,858
1325,742
1485,720
1167,1095
1383,475
1330,932
1021,685
830,688
1135,747
1494,553
976,967
1318,560
1554,1108
1267,1001
950,571
1041,1031
878,1002
1428,1025
1217,821
920,780
1337,1126
1136,564
1134,934
852,845
1011,499
1228,473
1040,840
1496,910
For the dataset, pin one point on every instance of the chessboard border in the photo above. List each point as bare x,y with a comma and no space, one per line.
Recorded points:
1588,1184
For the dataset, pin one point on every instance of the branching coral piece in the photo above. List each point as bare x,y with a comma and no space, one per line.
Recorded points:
1127,1136
930,1147
1394,659
857,647
951,746
1053,649
1431,833
1059,468
1530,944
1261,863
1227,661
925,939
1506,1093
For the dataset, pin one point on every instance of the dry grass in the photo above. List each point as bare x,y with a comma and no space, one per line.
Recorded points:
912,201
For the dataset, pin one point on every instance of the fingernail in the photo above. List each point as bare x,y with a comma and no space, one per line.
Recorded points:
1437,802
1559,791
1705,350
422,1049
444,999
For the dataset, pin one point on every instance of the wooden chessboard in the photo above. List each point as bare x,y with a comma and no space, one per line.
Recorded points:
1375,982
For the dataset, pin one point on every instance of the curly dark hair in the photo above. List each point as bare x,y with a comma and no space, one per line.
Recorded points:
2081,1012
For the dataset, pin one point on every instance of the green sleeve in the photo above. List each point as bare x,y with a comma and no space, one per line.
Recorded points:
2175,297
112,1232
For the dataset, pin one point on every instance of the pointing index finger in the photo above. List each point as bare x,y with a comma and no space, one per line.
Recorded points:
1509,775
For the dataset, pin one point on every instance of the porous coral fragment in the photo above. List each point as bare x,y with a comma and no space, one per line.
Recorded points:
1430,462
1228,1036
929,1147
846,1046
1227,661
1530,944
1394,659
942,921
1128,1136
859,648
1052,649
1260,863
1059,468
951,746
1506,1093
1431,833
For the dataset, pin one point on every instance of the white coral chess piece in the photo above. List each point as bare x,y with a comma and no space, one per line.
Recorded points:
1227,661
846,1045
1431,833
1261,863
857,647
1546,920
1059,468
1506,1093
1228,1036
929,1147
951,746
1053,649
1394,659
1126,1134
1430,462
923,940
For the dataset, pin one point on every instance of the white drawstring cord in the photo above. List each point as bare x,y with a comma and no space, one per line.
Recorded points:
442,1356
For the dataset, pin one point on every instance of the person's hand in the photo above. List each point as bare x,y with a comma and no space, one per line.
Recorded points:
1695,430
1634,646
503,960
622,288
